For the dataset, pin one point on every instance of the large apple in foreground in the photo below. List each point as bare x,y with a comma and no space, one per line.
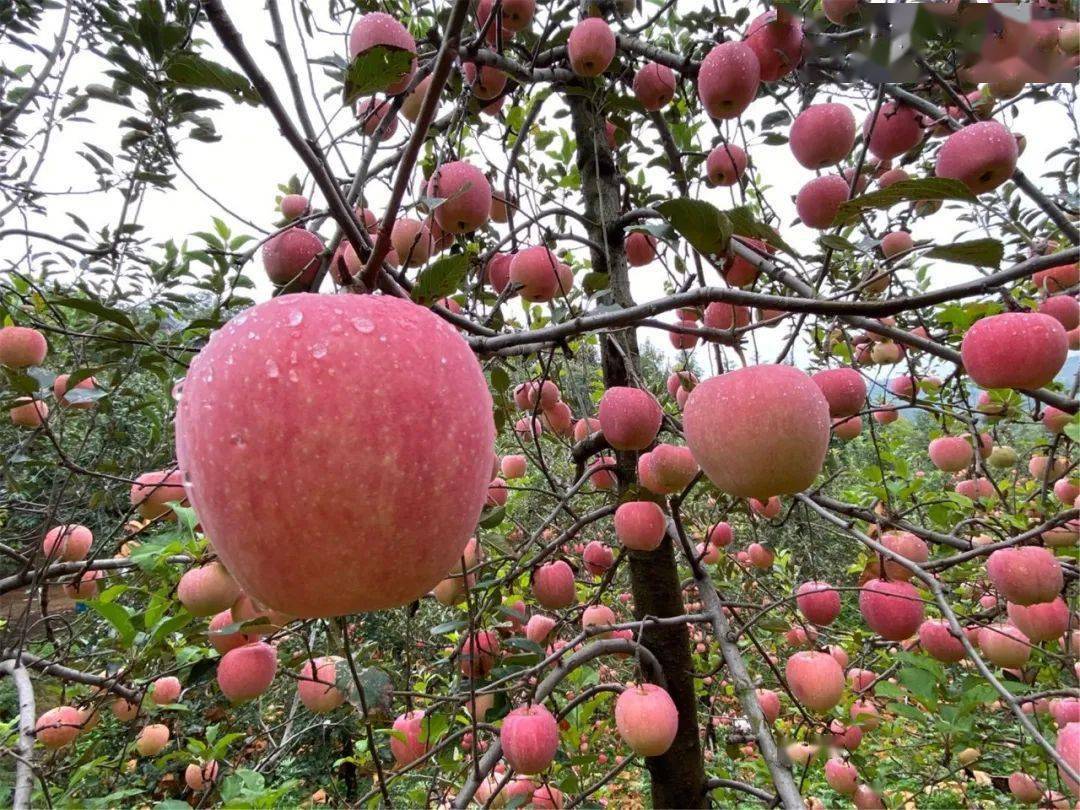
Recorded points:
343,439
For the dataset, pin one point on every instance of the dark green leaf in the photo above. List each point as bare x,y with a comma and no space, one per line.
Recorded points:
374,70
192,71
96,308
118,617
927,188
979,252
441,278
702,224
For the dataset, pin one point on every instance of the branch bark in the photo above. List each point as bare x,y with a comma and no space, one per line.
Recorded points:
24,766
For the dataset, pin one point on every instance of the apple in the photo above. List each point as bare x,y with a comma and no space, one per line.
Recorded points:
376,29
629,417
553,585
640,525
22,347
58,727
68,543
207,589
822,135
165,691
728,79
530,738
939,642
316,685
1022,350
815,679
246,672
410,740
844,390
893,610
646,718
152,740
819,602
1025,575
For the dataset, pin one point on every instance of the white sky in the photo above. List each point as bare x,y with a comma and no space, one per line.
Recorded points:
244,169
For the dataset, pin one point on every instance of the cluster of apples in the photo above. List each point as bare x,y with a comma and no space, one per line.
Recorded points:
22,347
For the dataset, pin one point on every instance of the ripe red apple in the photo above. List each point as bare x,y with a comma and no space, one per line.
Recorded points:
479,654
640,525
720,421
316,686
598,557
165,691
246,672
842,776
725,166
951,453
602,473
865,714
770,509
21,347
847,429
844,390
760,556
629,417
553,585
866,798
654,85
822,135
58,727
86,587
200,776
893,610
939,642
291,258
486,82
819,602
536,270
728,79
646,718
982,156
60,390
152,491
667,469
819,200
530,738
547,796
591,47
516,14
897,128
514,466
152,739
1025,575
777,42
466,193
1014,350
597,616
719,315
410,740
640,249
376,29
223,642
293,206
207,589
412,242
372,114
1024,787
896,242
249,392
1004,645
539,628
770,704
815,679
68,543
721,534
1044,621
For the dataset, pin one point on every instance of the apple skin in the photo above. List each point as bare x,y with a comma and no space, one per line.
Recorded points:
640,525
67,543
728,79
770,704
815,679
250,391
598,557
777,43
539,627
982,156
722,418
530,738
1026,575
640,249
467,195
152,740
591,47
291,258
166,690
377,28
950,453
479,654
1024,788
414,746
630,418
844,390
598,616
819,200
246,672
1022,350
536,270
937,640
822,135
21,347
654,86
553,585
207,589
60,389
1044,621
1068,746
1004,645
316,687
646,718
152,491
818,602
896,130
725,166
893,610
58,727
201,776
223,642
842,776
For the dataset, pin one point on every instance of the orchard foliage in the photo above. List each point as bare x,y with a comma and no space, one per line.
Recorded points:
613,401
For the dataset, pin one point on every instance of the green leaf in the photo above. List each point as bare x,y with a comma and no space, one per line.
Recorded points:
702,224
745,223
376,69
1072,430
192,71
494,518
441,278
96,308
979,252
836,243
118,617
927,188
448,627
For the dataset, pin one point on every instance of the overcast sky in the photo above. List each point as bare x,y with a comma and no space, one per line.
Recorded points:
244,169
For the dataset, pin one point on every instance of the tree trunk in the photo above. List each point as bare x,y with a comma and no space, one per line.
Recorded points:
678,777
